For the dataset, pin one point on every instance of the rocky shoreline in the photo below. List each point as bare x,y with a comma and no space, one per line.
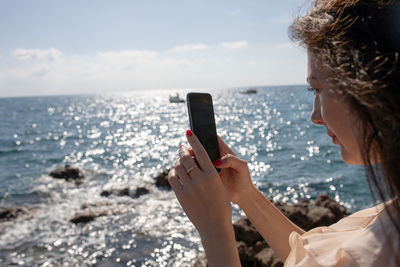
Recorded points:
88,211
253,250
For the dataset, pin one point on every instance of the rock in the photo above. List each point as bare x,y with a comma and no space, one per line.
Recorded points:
276,263
260,245
307,215
115,191
89,215
246,232
84,217
266,257
68,173
140,191
14,212
338,210
303,204
320,216
297,214
124,192
246,254
105,193
162,180
90,211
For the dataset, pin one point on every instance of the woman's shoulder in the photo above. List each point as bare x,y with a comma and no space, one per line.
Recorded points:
360,219
378,243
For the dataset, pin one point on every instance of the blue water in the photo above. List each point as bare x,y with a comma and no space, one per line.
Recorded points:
125,140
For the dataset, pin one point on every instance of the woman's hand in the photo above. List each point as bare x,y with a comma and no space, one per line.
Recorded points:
202,195
235,173
199,190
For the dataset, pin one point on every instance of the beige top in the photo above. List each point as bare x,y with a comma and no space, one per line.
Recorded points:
365,238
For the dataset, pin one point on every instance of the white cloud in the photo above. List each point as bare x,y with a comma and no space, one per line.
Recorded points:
124,59
190,47
50,55
126,70
126,55
234,45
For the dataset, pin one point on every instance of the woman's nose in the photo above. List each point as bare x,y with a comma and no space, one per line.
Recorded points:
316,116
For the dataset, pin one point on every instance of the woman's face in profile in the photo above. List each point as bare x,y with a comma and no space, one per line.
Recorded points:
331,112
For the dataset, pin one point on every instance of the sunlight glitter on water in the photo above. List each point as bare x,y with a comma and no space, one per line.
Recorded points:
124,141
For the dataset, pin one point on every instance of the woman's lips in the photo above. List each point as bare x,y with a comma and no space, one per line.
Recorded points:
334,140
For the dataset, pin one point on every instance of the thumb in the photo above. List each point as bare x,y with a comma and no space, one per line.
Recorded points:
230,161
224,149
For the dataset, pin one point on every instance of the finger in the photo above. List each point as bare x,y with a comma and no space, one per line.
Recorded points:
181,172
224,148
174,181
200,153
177,161
230,161
188,162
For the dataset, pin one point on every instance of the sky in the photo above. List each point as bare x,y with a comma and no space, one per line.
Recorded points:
55,47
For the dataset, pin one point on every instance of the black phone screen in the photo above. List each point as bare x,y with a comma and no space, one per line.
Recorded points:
202,122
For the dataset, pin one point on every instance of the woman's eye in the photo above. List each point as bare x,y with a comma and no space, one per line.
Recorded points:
314,90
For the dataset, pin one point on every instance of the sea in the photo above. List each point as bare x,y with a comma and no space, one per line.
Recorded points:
124,140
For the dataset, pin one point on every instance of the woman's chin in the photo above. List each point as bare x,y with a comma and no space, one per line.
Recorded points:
351,158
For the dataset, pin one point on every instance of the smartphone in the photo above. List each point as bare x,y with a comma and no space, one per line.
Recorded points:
202,122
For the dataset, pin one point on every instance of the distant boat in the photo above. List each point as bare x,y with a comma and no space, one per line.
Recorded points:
176,99
248,91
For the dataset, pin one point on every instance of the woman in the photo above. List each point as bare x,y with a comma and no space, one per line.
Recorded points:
353,69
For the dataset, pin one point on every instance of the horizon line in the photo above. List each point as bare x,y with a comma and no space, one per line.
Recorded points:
152,89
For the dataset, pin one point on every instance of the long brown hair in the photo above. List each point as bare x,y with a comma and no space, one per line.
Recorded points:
358,43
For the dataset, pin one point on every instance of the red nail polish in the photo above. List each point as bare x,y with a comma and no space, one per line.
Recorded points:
189,133
217,162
